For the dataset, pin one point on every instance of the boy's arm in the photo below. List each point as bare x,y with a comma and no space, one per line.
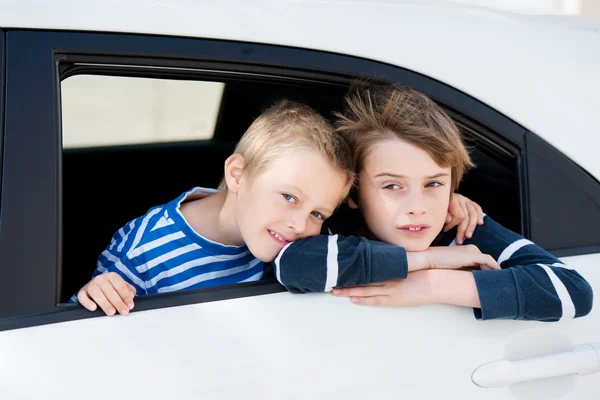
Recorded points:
115,280
532,284
320,263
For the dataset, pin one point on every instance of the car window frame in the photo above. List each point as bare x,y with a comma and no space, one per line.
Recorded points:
2,89
47,49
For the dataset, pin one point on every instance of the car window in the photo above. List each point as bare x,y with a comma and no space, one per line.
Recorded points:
143,141
84,182
136,110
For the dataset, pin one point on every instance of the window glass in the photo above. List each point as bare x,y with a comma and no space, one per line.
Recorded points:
110,111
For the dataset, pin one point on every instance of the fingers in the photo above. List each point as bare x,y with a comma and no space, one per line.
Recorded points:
98,296
370,301
479,213
358,291
454,220
132,289
84,299
473,220
110,292
460,231
124,292
488,262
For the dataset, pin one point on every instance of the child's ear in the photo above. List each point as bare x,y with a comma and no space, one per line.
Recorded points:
234,172
351,203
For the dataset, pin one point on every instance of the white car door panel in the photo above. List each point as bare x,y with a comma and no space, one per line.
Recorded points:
291,346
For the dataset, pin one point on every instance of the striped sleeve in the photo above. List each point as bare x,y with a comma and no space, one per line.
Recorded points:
320,263
114,258
532,284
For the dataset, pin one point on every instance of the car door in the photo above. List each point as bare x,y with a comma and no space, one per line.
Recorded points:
253,340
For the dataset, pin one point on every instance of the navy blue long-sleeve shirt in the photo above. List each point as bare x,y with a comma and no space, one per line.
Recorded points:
532,284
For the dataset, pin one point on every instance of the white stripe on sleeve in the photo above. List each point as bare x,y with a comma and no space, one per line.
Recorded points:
101,268
253,278
568,308
197,262
142,228
278,259
332,263
154,244
124,238
205,277
512,248
114,241
163,221
121,267
176,252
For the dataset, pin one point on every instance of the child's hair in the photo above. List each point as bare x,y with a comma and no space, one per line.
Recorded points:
292,126
376,112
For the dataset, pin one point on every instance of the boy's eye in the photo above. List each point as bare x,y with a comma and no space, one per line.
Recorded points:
289,198
434,184
391,186
317,214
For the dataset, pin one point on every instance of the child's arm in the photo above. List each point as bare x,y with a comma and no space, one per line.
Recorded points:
115,280
320,263
532,285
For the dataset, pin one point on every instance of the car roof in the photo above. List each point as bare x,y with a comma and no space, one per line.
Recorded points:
540,71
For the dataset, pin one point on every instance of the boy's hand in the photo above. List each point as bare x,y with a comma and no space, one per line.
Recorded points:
457,257
415,290
466,214
419,288
110,292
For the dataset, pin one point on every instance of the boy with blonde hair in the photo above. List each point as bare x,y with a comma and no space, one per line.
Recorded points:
287,175
409,159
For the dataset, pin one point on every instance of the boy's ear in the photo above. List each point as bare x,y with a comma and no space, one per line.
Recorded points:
234,172
351,203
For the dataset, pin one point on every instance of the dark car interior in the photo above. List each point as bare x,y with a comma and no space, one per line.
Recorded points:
105,187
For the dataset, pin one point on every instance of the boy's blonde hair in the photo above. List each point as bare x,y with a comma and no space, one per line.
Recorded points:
376,112
292,126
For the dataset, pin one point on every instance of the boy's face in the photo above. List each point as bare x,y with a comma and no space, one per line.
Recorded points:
288,200
403,194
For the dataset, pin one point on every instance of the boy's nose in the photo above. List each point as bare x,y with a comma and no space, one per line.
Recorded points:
417,205
297,224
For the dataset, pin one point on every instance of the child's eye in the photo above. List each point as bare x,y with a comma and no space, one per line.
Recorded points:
434,184
317,214
391,186
289,198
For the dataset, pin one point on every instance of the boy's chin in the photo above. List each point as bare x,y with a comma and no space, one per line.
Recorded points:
421,244
262,255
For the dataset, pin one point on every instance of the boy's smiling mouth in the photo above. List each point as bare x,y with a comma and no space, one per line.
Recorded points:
414,229
278,238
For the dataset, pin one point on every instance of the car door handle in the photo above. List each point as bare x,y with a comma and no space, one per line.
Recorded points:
582,360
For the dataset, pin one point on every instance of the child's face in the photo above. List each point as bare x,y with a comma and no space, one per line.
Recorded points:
403,194
288,200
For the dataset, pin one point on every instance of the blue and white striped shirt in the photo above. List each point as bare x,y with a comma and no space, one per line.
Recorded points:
160,252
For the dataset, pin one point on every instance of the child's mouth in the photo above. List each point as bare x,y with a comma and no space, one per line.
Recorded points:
277,238
414,230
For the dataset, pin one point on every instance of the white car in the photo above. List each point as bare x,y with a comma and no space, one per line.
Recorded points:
110,107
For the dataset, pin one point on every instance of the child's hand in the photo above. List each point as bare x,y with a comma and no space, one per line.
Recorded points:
456,257
110,292
415,290
466,214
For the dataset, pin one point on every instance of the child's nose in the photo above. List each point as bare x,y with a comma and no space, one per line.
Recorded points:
417,205
298,224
